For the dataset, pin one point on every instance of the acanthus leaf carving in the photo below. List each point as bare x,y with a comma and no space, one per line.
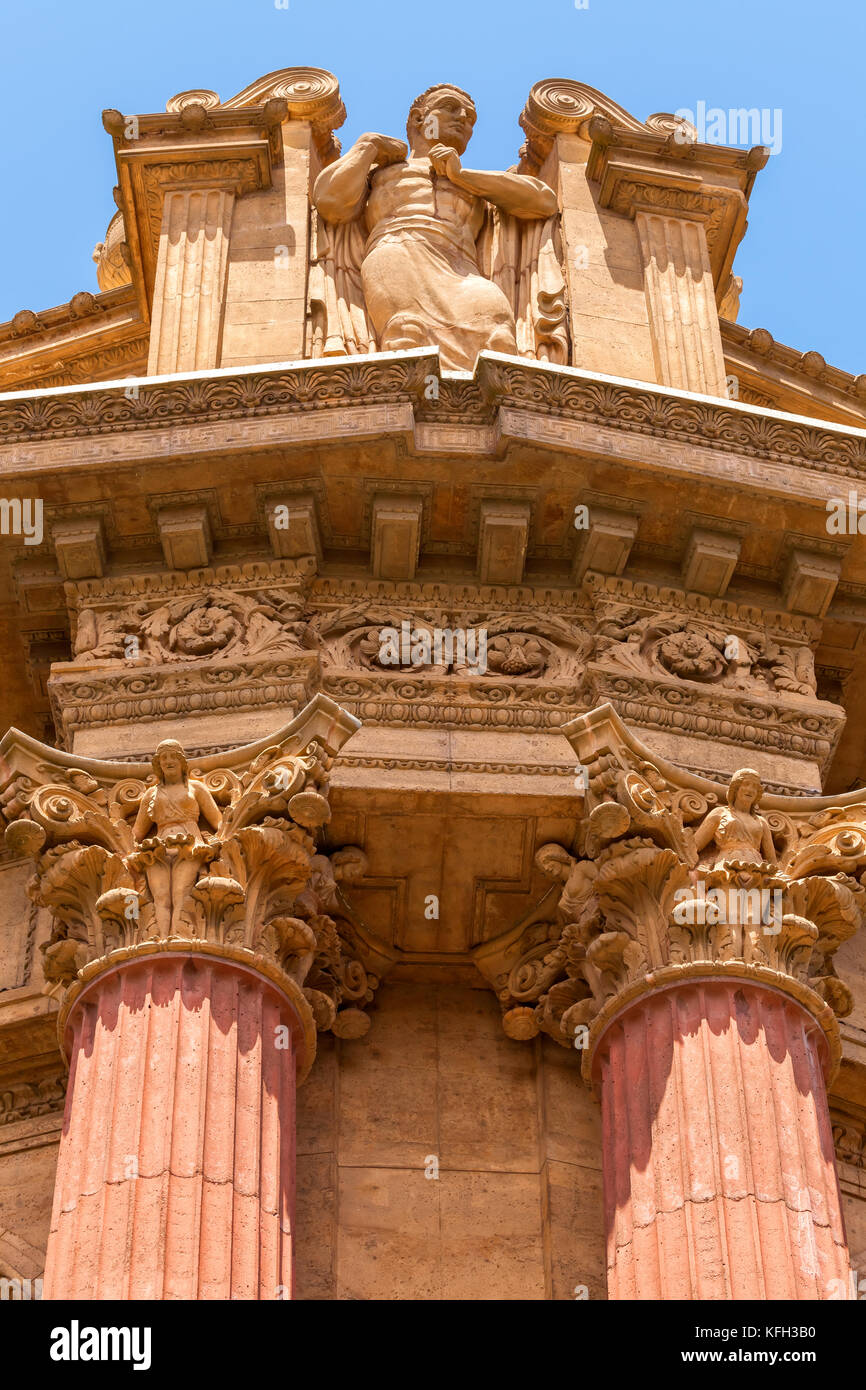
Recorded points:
669,884
216,622
222,857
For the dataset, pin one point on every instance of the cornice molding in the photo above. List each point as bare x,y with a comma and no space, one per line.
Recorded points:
525,390
776,368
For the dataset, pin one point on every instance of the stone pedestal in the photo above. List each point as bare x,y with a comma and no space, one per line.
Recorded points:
719,1170
177,1164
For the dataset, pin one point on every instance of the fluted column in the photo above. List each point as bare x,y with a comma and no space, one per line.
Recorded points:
684,320
719,1172
190,287
175,1177
691,966
713,1035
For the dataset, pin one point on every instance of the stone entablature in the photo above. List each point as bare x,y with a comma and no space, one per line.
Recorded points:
243,638
767,691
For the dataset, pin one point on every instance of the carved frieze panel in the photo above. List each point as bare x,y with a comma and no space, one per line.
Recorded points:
205,614
670,660
663,632
458,641
196,642
441,654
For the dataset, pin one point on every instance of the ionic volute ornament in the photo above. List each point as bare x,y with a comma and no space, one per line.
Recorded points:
222,858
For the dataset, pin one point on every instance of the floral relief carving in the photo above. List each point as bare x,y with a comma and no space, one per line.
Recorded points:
215,623
696,649
691,655
519,644
516,654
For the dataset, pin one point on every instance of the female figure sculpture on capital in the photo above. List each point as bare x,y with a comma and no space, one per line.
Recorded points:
739,833
171,856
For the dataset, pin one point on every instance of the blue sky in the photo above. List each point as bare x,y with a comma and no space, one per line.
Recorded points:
803,260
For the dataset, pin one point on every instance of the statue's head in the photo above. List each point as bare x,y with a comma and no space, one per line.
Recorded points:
443,115
745,789
169,761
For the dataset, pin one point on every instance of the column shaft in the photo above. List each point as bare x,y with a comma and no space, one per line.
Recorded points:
175,1177
719,1172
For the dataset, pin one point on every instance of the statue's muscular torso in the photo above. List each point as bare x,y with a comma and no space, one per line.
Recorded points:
412,190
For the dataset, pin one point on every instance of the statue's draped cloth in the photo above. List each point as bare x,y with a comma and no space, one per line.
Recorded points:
422,283
426,262
421,277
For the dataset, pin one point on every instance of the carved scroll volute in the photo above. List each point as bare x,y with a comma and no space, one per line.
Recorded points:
78,851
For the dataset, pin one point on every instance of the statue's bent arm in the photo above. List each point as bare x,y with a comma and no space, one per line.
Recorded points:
519,194
340,191
707,829
144,819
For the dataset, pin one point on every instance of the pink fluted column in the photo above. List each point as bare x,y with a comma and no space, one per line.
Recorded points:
719,1172
176,1171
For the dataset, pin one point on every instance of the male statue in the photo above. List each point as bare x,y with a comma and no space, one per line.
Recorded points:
422,212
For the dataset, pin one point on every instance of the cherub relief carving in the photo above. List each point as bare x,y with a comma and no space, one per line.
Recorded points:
417,250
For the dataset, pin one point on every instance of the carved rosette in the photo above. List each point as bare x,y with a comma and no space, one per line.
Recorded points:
255,887
670,884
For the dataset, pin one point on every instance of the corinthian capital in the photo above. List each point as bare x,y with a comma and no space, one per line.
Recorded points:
672,877
219,858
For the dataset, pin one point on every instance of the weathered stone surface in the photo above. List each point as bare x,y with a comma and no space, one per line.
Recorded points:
477,467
